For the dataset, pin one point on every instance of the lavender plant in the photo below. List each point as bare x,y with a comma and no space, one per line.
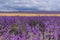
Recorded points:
29,28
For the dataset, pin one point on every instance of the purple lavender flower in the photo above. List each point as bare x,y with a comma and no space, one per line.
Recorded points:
23,28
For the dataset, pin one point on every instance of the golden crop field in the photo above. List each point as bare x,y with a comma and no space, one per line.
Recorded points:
27,14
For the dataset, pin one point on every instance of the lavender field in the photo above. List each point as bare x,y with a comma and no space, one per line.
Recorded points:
29,28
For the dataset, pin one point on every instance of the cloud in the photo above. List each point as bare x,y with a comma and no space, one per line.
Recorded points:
32,5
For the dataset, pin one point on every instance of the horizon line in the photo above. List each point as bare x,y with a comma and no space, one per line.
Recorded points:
44,12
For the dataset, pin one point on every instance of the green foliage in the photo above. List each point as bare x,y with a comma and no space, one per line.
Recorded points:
14,28
42,27
33,23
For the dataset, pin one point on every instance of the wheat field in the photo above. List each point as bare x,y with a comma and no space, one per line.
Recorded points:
27,14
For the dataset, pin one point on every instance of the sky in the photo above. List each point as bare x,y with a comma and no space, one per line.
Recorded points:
29,5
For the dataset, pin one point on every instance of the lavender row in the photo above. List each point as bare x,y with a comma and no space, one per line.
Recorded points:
29,28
